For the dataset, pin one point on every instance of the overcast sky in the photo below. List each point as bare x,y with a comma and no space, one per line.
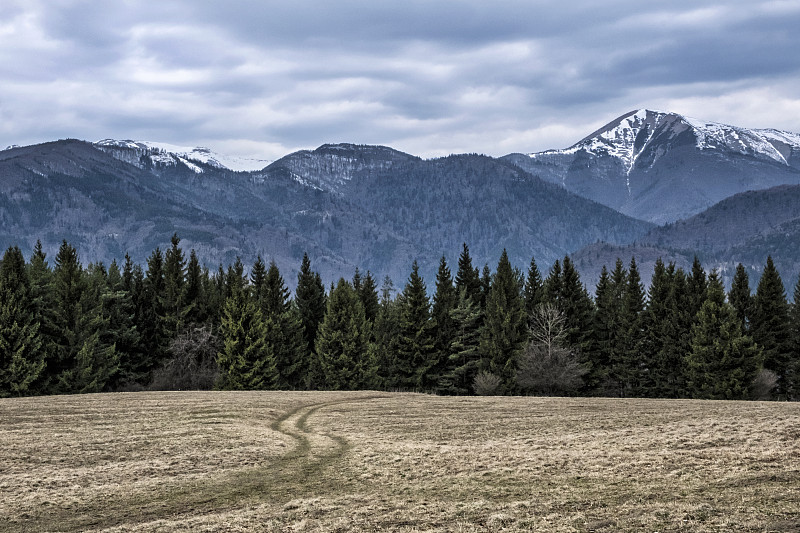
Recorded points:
424,76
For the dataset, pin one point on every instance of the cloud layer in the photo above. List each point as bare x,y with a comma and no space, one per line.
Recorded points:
430,78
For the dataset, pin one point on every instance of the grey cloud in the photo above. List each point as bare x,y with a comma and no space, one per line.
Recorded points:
468,75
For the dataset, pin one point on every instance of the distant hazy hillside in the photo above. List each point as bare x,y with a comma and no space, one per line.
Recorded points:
345,205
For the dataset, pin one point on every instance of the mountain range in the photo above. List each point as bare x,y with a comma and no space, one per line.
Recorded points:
651,184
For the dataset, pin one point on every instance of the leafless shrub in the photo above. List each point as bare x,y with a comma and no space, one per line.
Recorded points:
193,364
486,383
763,384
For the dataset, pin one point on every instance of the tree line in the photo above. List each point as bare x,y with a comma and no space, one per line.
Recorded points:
174,324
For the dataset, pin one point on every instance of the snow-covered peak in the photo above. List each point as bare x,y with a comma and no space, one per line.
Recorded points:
763,143
630,135
170,154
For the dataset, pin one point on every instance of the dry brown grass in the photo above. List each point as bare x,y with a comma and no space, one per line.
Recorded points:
264,461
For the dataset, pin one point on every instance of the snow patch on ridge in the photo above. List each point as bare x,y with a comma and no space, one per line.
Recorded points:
170,154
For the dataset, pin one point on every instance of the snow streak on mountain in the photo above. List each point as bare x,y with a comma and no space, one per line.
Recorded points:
170,154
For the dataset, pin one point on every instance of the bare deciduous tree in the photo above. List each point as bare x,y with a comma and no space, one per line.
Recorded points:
193,364
547,366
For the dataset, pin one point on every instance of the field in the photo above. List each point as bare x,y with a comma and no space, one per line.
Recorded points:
271,461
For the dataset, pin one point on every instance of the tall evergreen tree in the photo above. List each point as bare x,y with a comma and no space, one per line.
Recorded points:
368,294
67,288
42,295
311,303
627,365
284,331
723,363
245,360
770,326
464,357
553,285
486,285
343,346
697,286
196,293
149,317
235,278
174,295
96,364
444,301
21,358
534,289
385,333
663,360
793,368
414,351
576,306
505,327
599,350
118,311
468,277
740,297
258,279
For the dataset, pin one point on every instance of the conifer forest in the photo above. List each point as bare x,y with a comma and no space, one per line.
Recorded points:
173,324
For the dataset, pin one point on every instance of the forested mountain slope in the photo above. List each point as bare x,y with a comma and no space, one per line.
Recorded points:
346,205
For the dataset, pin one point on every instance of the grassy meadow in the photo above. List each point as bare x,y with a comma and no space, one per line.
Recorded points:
365,461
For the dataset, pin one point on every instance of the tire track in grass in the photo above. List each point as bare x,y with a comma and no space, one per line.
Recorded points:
294,474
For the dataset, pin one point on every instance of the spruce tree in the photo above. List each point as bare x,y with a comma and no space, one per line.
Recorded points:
385,334
723,362
258,278
149,316
598,352
617,291
697,286
577,309
740,297
235,278
311,303
284,331
444,301
505,326
663,360
486,285
628,367
118,311
414,350
88,361
534,289
41,283
793,369
553,285
467,277
196,292
174,295
21,358
245,360
368,294
343,346
464,357
770,326
68,286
